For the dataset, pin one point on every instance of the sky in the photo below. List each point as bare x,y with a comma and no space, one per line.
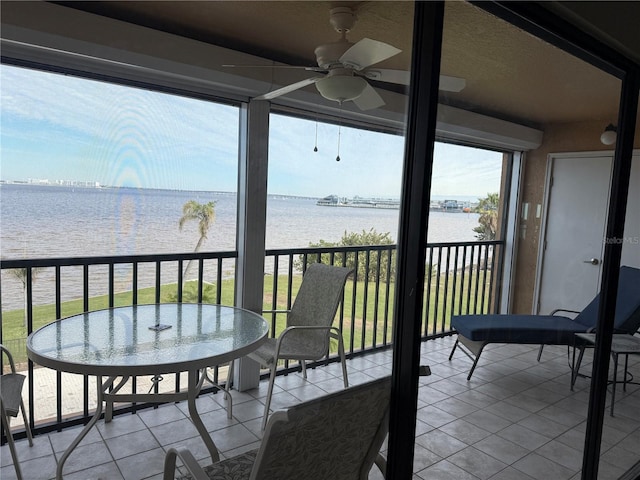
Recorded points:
58,127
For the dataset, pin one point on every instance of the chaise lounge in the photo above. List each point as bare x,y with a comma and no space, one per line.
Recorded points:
477,331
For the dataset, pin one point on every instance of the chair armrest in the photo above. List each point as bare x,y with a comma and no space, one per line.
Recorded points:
6,351
308,327
615,331
276,311
293,328
620,330
381,463
563,310
188,460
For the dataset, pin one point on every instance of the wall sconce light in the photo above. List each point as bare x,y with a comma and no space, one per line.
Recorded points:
609,135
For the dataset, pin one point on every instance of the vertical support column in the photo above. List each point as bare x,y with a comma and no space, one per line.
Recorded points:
412,238
252,221
510,232
610,271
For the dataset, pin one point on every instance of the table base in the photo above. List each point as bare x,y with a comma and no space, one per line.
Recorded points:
108,394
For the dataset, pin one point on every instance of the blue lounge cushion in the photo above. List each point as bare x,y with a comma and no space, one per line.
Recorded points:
555,329
528,329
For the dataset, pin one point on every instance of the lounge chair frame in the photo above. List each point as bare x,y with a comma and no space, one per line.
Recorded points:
475,332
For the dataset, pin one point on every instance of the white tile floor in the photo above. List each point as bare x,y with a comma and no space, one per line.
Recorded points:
515,419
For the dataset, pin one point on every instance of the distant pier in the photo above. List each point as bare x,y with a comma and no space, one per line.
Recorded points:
450,206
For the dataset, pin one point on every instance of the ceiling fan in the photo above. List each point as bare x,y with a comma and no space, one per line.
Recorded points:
347,66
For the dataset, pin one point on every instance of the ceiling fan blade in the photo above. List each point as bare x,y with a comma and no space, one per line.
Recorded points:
452,84
389,75
292,67
367,52
288,89
402,77
369,99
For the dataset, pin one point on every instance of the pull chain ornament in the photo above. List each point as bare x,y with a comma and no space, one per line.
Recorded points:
339,133
338,156
315,148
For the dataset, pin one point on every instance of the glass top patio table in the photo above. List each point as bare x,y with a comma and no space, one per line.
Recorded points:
146,340
124,340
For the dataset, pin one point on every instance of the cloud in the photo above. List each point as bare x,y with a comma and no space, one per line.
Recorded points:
88,124
96,131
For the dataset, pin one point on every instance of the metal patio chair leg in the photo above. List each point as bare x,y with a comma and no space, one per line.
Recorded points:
342,355
576,366
455,345
10,402
267,403
12,446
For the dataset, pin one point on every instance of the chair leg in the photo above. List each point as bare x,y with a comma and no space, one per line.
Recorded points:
455,345
26,423
576,368
615,381
626,367
267,402
474,348
343,360
12,447
227,388
540,352
473,367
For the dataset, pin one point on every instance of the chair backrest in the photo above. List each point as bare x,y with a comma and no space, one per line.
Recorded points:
627,316
10,385
317,301
335,437
5,351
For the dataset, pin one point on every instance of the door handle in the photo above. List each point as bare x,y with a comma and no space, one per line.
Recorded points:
592,261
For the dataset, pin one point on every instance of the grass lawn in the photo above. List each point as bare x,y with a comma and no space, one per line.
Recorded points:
376,317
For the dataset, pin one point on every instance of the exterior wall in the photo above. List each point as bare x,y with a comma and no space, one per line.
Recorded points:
575,137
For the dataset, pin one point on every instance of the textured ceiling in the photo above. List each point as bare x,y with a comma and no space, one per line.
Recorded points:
509,73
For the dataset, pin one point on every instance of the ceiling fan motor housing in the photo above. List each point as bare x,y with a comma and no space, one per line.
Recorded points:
342,19
328,55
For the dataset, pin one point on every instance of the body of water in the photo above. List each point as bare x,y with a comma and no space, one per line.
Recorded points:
47,221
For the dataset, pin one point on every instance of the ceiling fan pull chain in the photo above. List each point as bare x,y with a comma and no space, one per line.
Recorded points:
315,148
339,132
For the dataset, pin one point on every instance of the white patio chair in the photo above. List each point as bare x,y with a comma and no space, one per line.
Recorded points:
10,402
335,437
309,326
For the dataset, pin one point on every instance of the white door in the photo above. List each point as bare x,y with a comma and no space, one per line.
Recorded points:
631,240
575,227
572,250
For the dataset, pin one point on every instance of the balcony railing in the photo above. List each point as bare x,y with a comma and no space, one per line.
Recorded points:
460,278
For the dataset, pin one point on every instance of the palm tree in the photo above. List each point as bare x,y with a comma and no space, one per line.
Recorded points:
22,274
205,214
488,210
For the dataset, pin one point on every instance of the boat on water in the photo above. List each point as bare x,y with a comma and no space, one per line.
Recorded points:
449,206
331,201
358,202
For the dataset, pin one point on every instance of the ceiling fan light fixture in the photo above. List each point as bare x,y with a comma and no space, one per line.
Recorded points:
609,135
341,88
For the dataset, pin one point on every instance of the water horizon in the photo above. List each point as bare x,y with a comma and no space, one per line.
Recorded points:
47,222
